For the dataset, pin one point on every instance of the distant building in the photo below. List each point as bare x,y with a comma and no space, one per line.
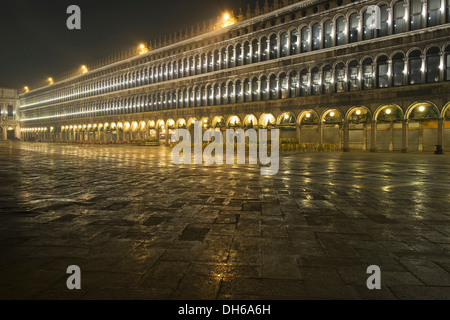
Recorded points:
315,69
9,121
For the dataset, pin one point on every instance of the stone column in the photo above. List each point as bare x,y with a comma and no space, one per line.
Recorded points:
420,136
391,136
298,133
346,137
364,136
405,133
320,134
440,136
373,135
5,134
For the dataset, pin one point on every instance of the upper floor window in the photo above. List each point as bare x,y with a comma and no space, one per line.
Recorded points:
383,71
328,34
398,67
305,39
448,11
433,64
415,67
416,14
447,63
434,13
368,33
316,37
353,28
340,31
294,41
384,22
10,111
353,76
367,74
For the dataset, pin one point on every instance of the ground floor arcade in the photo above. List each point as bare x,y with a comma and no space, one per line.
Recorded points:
420,126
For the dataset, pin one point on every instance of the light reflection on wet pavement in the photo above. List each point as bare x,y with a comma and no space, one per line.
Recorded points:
140,227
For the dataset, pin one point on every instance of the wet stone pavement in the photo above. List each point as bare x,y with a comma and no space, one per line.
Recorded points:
140,227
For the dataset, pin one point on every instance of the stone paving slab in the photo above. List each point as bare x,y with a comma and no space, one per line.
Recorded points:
140,227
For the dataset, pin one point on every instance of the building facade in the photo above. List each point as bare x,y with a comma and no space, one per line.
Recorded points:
317,70
9,121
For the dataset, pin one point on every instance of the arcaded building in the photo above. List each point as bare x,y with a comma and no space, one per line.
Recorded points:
317,70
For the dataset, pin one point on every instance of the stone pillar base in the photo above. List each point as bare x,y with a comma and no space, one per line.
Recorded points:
439,150
373,150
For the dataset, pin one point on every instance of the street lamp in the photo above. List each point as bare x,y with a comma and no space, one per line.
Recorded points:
142,49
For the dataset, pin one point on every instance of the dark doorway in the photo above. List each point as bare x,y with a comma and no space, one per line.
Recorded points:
11,135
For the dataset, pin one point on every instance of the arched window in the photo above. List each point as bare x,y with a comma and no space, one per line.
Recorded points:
294,41
399,17
398,68
264,49
273,47
255,51
433,63
230,97
247,56
353,75
247,91
315,81
447,63
368,74
384,23
223,61
264,88
255,91
316,37
230,57
448,11
340,78
238,89
224,97
304,83
216,95
305,40
327,83
239,55
284,44
415,14
368,33
327,34
340,31
10,111
415,67
293,84
383,72
204,62
434,13
273,93
284,86
353,28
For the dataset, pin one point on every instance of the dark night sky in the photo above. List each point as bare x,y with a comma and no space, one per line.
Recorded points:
36,44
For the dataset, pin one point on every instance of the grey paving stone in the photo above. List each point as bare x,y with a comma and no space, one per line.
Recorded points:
142,228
